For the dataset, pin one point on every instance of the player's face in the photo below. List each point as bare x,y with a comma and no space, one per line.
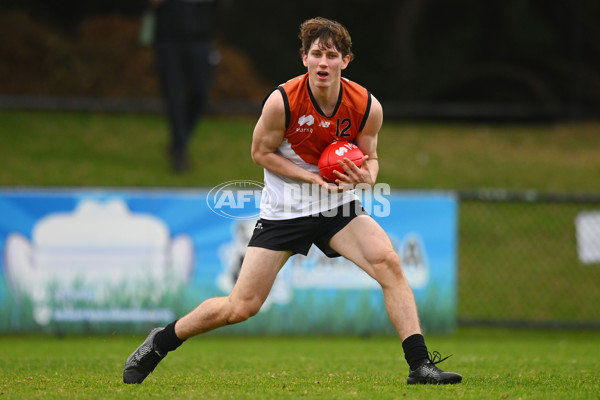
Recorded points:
324,65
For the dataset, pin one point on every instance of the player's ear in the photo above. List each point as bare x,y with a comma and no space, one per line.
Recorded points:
305,59
345,61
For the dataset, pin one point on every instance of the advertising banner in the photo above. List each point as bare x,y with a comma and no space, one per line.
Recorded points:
104,260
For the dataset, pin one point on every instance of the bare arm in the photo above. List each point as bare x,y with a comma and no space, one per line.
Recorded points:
268,134
366,140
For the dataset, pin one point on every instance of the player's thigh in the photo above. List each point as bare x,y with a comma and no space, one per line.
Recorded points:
364,242
258,272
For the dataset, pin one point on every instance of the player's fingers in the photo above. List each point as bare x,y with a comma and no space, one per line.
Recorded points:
349,167
340,176
343,165
349,163
352,170
363,164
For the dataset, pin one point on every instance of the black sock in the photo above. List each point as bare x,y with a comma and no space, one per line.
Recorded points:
166,340
415,351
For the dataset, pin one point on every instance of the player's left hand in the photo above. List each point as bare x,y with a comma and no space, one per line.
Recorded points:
353,174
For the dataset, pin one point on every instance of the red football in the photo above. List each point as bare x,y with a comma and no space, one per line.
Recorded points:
338,151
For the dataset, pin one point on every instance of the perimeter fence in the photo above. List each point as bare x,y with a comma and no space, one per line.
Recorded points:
529,259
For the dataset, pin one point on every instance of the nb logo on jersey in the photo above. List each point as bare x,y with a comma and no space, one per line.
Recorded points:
325,124
258,225
306,119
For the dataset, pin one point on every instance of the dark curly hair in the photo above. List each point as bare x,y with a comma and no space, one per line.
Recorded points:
330,34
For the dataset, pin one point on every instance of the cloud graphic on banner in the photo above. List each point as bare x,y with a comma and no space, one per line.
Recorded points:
100,262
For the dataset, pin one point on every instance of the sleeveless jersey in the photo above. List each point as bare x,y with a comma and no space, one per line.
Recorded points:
308,132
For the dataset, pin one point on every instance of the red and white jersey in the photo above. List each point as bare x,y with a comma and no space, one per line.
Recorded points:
308,132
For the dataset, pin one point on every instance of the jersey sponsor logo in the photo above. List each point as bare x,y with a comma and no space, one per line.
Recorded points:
306,119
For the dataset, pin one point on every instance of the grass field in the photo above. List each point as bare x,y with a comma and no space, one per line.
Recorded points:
496,364
96,149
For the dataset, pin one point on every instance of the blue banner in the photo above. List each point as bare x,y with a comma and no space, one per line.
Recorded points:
123,260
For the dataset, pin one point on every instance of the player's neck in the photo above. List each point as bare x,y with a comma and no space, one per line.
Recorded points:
326,97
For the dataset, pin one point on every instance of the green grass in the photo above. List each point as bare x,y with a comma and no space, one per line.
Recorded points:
495,364
91,149
96,149
554,158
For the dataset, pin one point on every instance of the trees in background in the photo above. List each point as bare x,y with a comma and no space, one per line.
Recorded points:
414,51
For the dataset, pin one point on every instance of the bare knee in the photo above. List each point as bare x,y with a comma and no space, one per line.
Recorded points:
387,269
241,310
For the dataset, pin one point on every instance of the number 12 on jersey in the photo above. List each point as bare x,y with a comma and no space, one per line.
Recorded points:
343,126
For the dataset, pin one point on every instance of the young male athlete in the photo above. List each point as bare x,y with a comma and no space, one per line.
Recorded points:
299,119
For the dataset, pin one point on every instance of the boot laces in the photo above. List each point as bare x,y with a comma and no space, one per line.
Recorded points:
437,357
